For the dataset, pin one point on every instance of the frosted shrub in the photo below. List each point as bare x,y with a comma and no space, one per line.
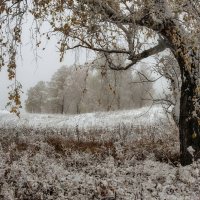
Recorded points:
40,164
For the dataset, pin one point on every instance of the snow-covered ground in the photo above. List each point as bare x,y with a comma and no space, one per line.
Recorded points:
144,116
35,165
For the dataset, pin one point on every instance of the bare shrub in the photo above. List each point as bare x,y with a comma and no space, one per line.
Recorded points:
47,164
64,146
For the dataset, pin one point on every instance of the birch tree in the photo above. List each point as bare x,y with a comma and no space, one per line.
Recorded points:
136,28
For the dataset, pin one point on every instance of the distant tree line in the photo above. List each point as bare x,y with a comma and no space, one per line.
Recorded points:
89,88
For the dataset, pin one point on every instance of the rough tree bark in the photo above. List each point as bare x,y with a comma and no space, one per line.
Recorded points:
176,38
189,105
188,123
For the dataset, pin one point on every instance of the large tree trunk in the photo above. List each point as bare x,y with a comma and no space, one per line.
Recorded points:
188,124
189,127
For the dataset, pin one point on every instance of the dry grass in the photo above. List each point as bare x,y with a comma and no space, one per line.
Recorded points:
65,146
164,148
44,156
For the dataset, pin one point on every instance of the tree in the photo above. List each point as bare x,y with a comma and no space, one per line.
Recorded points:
75,88
114,90
167,66
88,88
120,26
142,87
36,98
55,92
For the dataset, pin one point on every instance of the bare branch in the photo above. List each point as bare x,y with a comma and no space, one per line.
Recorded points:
99,49
147,80
149,52
136,58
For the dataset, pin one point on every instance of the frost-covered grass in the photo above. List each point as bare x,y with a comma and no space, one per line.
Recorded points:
123,162
136,117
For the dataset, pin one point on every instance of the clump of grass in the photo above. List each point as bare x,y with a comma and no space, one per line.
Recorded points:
63,146
100,143
164,149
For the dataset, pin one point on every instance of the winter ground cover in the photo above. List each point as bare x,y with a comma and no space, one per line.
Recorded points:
119,155
144,116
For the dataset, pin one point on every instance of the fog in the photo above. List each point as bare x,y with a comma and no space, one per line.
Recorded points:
32,68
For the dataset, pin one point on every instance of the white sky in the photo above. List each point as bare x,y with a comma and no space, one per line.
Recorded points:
29,72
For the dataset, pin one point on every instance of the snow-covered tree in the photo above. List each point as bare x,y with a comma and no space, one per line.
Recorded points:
142,87
91,87
75,88
55,99
167,66
137,28
114,90
36,98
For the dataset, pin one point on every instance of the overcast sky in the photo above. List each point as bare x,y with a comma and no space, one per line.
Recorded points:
29,72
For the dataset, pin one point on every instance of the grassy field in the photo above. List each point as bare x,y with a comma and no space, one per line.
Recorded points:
123,162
